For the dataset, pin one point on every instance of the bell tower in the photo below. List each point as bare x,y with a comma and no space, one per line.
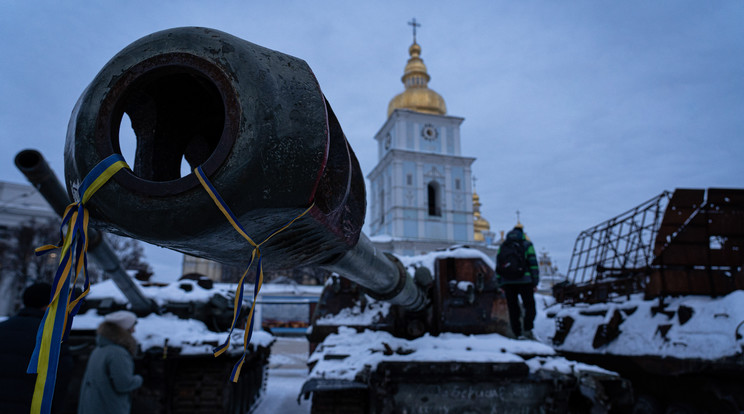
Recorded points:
420,189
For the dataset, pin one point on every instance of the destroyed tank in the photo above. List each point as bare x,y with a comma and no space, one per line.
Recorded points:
274,177
657,295
178,325
455,355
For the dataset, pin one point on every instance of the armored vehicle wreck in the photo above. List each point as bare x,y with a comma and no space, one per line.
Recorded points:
455,355
656,294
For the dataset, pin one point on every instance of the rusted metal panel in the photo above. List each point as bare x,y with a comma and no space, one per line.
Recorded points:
681,206
607,332
600,291
700,255
480,308
705,254
693,281
726,197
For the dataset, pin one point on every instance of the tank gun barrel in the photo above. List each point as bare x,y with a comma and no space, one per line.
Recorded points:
33,165
257,124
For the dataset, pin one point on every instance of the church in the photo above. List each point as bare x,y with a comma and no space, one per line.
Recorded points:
421,190
420,193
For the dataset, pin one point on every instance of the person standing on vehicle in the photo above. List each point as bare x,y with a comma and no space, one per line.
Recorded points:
518,274
109,376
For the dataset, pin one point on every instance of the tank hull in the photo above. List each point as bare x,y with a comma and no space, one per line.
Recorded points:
174,383
664,310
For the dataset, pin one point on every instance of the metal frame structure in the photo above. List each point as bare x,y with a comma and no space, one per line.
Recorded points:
620,246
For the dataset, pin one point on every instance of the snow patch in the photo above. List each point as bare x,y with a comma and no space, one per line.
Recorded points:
709,333
428,260
372,313
348,353
190,335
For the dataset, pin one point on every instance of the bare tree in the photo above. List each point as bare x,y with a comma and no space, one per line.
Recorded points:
20,266
130,252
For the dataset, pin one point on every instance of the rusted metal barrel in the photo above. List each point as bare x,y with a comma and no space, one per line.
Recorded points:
257,123
33,165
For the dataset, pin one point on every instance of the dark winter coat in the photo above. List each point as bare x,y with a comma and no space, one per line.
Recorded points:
532,273
17,342
109,376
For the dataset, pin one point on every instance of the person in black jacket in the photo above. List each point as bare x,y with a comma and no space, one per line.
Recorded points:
17,342
518,274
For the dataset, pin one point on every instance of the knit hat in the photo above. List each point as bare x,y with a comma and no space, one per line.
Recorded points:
124,319
37,295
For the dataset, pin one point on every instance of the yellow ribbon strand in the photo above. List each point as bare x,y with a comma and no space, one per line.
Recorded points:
255,256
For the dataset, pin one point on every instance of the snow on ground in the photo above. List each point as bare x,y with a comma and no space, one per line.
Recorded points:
287,373
709,333
544,326
282,388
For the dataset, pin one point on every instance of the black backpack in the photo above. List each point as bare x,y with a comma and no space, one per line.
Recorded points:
510,262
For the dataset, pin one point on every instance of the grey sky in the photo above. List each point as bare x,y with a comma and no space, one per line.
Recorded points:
576,111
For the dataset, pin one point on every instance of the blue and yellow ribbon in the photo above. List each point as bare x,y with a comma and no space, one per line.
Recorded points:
55,326
255,256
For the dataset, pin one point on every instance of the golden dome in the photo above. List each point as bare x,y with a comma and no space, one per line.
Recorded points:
417,96
480,225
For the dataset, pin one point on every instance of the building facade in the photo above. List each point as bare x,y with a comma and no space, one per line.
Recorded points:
20,203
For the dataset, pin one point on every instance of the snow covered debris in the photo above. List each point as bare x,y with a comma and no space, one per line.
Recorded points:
686,327
428,260
190,335
464,285
563,366
177,292
372,313
185,291
348,353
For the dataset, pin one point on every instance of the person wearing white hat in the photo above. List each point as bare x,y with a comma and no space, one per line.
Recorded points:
109,376
125,319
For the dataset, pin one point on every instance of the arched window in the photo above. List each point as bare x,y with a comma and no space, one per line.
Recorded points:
433,192
382,206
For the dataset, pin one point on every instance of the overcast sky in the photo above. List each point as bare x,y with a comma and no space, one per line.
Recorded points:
576,111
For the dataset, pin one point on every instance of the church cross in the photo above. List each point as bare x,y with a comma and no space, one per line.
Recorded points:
415,25
517,216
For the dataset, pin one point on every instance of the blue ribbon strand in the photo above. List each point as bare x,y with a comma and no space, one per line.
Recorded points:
57,321
255,256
